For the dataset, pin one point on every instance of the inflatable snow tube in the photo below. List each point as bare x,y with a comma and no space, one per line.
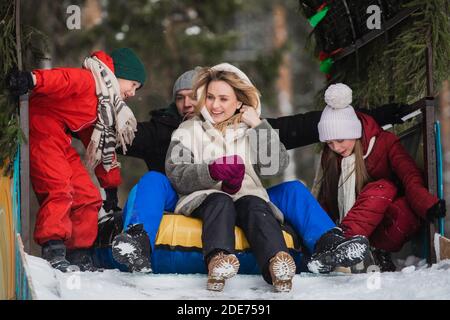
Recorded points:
178,249
177,238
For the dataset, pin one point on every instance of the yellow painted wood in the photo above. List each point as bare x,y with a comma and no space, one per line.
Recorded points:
7,240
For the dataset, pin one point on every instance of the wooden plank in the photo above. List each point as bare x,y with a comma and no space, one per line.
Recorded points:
430,171
24,147
369,37
430,147
444,115
24,286
7,242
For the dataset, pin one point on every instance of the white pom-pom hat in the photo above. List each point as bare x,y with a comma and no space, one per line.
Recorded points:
339,120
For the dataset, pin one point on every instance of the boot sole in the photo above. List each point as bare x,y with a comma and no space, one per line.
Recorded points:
282,272
226,270
126,252
346,254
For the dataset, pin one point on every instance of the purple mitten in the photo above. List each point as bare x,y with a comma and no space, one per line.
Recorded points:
230,170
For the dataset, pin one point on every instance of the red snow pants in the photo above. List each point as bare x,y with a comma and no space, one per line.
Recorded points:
387,221
69,200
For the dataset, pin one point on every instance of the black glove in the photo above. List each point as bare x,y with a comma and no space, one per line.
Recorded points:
390,113
110,224
19,82
437,211
111,202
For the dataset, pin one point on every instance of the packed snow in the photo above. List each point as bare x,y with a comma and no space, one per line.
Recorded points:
414,281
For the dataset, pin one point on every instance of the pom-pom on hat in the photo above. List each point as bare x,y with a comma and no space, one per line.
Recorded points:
339,120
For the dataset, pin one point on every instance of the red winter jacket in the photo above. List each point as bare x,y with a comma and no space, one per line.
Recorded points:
389,159
68,94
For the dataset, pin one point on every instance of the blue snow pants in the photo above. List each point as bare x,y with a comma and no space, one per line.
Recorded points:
298,205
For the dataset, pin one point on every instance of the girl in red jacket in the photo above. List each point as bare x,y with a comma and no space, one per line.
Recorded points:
90,102
368,182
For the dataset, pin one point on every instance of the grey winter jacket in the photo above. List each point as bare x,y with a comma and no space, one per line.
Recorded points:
196,143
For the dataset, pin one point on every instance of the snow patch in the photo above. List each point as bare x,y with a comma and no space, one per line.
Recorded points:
422,283
409,269
125,248
315,266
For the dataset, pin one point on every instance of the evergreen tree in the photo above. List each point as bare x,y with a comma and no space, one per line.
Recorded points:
10,132
388,68
9,122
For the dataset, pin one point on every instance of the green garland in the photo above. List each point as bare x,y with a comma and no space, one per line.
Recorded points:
397,70
431,23
10,132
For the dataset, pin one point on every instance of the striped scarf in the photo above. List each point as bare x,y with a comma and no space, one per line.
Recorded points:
116,123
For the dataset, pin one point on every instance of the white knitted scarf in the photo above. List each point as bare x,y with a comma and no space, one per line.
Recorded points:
116,123
347,182
346,186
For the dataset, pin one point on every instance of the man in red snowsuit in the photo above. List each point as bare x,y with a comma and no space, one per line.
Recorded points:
72,100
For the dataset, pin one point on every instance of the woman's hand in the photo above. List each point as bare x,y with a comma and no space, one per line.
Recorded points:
249,116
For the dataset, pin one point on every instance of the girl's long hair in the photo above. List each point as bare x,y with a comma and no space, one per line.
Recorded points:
245,92
329,184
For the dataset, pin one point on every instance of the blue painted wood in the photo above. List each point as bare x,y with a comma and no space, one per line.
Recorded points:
440,180
23,288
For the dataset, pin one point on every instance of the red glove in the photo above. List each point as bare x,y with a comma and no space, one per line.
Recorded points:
230,170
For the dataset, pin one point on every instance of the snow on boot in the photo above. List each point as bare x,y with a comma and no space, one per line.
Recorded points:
333,249
82,258
383,260
54,251
132,248
282,269
221,267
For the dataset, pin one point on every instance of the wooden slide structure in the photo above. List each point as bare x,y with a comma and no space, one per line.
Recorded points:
14,280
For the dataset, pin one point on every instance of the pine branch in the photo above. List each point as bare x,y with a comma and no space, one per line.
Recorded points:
10,132
397,70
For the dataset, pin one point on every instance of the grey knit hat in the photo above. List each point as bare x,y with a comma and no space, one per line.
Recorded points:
185,81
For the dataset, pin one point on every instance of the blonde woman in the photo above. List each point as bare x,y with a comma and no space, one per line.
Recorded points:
215,165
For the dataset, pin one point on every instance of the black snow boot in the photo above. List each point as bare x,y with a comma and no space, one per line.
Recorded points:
366,265
333,249
132,248
109,226
383,260
82,258
54,251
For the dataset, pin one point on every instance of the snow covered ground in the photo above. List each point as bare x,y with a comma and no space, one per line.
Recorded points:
414,281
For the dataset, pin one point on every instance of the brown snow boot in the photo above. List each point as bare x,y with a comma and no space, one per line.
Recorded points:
282,270
222,266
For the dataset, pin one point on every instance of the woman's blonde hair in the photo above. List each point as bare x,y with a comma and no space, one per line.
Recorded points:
329,183
245,92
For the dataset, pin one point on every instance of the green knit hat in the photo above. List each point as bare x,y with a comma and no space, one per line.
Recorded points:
128,66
